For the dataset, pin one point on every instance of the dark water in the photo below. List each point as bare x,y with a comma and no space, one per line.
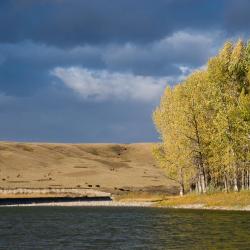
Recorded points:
122,228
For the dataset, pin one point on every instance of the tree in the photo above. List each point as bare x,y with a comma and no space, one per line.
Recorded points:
204,124
172,154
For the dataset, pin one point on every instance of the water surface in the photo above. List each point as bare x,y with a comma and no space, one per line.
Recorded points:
122,228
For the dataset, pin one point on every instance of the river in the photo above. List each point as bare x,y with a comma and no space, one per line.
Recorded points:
122,228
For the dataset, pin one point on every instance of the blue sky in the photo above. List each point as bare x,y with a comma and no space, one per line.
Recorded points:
93,71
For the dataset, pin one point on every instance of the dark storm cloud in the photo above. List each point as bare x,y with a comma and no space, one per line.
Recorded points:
24,67
70,23
237,18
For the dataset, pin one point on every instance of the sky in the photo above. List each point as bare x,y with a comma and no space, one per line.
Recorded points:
93,71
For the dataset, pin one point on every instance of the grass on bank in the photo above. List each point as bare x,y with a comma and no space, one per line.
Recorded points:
140,197
232,199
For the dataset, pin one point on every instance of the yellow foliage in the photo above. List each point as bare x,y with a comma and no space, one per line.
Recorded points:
204,123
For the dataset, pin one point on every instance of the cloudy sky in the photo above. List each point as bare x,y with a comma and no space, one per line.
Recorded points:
94,70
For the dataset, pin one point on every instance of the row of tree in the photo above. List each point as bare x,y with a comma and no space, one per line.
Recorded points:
204,123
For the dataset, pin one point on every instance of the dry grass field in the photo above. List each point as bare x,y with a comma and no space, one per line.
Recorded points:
213,200
116,168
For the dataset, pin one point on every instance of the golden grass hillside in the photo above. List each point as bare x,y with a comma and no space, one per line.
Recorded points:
108,167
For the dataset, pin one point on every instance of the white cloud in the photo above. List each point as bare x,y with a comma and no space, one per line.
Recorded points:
102,84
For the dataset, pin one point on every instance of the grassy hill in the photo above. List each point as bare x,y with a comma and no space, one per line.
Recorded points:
108,167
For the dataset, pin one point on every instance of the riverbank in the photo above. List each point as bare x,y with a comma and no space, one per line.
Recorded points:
128,204
65,197
86,204
215,201
239,201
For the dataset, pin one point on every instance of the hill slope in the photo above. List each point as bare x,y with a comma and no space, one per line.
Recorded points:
107,167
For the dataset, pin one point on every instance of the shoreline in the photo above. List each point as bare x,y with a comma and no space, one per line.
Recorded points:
141,204
85,204
203,207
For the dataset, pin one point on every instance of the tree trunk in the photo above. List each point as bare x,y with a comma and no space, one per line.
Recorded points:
248,179
203,185
202,181
225,183
181,189
236,189
181,182
206,179
198,186
243,180
200,156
